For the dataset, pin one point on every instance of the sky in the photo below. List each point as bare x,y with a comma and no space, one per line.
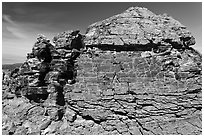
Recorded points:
23,21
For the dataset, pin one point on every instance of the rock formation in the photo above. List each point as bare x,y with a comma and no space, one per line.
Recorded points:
137,74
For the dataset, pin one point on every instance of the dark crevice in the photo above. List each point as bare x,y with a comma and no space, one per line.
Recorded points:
11,132
199,108
141,131
87,117
145,105
38,98
60,114
178,116
27,111
131,116
131,92
119,113
133,47
60,97
193,91
143,128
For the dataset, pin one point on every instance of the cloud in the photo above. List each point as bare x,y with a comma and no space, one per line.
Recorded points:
18,38
10,27
16,32
7,18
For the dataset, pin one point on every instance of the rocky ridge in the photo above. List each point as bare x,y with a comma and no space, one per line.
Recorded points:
133,73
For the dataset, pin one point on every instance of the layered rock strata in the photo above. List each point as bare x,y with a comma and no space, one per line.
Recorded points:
137,75
43,75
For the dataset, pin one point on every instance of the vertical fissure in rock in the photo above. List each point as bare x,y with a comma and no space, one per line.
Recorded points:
42,77
62,68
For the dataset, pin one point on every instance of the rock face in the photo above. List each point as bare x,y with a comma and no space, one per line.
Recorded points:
41,79
137,74
138,27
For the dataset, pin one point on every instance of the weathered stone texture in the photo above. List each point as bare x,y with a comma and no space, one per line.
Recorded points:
136,75
139,27
124,85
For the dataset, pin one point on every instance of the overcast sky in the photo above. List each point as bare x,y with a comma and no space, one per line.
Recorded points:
21,22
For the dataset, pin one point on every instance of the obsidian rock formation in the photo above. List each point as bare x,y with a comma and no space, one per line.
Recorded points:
137,74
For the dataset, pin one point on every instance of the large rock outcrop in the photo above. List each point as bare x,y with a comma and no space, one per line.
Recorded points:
137,74
139,28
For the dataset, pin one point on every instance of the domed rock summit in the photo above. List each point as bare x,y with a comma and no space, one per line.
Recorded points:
134,73
138,27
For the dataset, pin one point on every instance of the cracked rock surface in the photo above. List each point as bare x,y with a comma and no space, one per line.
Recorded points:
139,27
136,75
